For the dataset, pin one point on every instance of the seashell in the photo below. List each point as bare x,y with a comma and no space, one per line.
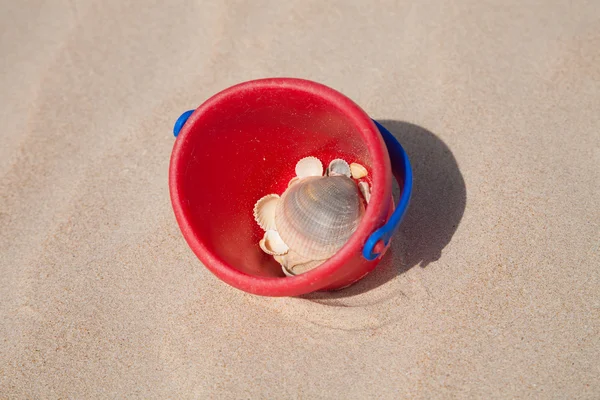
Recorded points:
294,264
298,269
272,244
338,167
358,171
309,166
365,190
264,211
293,180
316,216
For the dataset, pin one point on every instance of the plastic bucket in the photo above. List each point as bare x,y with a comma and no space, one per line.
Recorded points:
243,143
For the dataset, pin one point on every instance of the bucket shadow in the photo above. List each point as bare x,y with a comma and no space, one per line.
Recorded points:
436,208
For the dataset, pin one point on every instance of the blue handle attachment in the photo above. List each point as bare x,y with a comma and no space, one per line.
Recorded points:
403,172
181,121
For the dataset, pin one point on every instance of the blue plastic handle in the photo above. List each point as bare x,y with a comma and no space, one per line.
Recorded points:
402,171
181,122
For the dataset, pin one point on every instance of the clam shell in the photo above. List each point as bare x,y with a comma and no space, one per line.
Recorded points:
338,167
358,171
309,166
294,264
264,211
293,180
272,244
316,216
298,269
365,190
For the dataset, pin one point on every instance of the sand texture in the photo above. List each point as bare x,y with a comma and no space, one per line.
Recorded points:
491,289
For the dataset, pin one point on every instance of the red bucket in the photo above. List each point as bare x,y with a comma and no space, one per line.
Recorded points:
243,143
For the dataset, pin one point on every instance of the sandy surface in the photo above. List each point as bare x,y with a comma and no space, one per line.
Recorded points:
492,287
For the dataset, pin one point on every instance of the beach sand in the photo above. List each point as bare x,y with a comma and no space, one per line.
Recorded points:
492,285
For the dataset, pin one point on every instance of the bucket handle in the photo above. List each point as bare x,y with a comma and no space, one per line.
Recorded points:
402,171
181,121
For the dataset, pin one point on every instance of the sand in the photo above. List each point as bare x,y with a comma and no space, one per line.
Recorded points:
491,289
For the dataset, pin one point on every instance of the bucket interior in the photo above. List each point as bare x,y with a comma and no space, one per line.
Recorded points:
245,146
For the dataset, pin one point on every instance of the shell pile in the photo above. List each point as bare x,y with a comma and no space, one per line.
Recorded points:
315,216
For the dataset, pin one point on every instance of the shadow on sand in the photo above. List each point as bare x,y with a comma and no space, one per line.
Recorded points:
437,206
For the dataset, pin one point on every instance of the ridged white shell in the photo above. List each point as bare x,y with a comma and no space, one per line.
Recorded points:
316,216
365,190
264,211
309,166
358,171
338,167
271,243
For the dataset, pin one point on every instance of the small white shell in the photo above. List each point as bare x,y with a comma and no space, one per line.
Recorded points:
302,268
294,264
358,171
293,180
365,190
309,166
338,167
316,216
264,211
272,244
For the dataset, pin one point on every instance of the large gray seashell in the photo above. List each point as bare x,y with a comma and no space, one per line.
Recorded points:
317,215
